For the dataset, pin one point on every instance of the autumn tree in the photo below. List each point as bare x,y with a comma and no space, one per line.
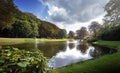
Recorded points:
94,28
82,33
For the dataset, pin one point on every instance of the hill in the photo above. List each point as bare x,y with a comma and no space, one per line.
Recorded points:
17,24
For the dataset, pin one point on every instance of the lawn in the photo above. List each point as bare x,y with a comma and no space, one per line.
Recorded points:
104,64
10,41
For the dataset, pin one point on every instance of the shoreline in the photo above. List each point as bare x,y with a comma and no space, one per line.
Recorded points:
105,64
11,41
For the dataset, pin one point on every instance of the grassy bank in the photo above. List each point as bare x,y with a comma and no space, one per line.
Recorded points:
10,41
104,64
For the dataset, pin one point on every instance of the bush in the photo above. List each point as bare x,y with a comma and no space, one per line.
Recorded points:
13,60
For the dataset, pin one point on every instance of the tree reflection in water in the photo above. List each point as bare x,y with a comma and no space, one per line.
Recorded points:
73,53
65,53
83,47
71,45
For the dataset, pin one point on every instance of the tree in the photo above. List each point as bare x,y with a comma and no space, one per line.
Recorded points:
111,26
7,13
82,33
94,28
34,27
14,23
71,34
112,17
21,29
62,33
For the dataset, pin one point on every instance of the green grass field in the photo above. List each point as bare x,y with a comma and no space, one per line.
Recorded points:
104,64
10,41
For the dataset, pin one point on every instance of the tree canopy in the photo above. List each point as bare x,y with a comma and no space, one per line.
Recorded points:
82,33
71,34
111,27
14,23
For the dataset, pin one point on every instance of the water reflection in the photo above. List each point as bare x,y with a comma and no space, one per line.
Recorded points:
71,45
74,52
83,47
99,51
65,53
49,49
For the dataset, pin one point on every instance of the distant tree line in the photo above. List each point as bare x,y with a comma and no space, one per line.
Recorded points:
81,34
17,24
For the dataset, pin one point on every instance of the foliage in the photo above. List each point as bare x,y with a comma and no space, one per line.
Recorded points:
71,34
112,34
17,24
62,33
111,28
94,28
49,30
113,13
13,60
21,29
82,33
7,13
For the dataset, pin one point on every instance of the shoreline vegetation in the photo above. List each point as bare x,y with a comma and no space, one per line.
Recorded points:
11,41
13,60
104,64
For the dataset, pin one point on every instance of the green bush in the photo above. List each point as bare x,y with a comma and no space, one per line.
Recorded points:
13,60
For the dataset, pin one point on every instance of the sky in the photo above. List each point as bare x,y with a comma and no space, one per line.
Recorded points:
66,14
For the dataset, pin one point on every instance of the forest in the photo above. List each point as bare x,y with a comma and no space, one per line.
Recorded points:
17,24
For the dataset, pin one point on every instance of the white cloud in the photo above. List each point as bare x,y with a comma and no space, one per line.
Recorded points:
72,14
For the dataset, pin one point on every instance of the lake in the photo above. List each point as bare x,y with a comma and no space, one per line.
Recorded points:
64,53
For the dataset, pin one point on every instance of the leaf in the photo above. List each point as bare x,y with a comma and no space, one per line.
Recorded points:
23,64
1,61
15,49
9,53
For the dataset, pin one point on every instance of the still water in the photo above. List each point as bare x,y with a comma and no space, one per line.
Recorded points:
65,53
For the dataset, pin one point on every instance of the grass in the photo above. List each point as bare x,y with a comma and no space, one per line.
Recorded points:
52,40
10,41
104,64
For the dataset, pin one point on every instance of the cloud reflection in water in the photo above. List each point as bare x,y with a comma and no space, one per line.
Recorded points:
70,55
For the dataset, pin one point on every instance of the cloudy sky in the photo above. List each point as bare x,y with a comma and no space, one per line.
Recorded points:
66,14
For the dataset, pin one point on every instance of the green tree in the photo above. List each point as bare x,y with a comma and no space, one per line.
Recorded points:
82,33
94,28
14,23
21,29
113,13
62,33
7,13
34,27
71,34
111,27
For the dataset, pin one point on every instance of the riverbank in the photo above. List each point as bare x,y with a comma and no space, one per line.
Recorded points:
10,41
104,64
